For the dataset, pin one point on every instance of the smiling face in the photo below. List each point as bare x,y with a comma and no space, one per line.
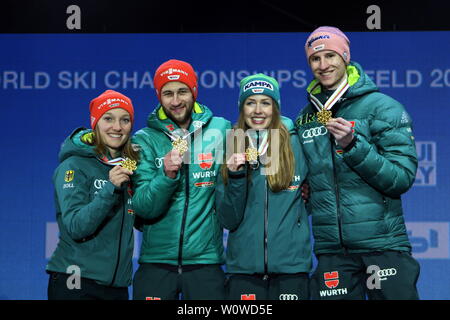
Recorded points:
177,101
257,111
329,68
114,129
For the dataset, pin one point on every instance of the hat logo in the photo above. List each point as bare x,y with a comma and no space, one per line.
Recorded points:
174,77
317,38
114,105
172,70
258,84
258,90
319,47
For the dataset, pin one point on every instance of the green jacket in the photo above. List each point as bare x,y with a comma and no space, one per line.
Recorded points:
181,226
355,195
95,218
269,232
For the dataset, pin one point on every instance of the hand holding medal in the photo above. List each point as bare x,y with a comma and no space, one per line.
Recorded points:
342,131
236,161
180,145
129,164
122,170
252,154
119,175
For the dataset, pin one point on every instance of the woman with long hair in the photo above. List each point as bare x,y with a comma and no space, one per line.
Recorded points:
93,259
258,199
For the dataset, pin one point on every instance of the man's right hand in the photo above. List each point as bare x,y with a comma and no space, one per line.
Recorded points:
172,163
236,161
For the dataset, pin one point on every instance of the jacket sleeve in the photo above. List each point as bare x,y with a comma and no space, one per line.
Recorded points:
389,162
302,164
231,199
153,190
80,215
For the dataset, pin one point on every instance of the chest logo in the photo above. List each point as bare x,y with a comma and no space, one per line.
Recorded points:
69,175
314,132
205,160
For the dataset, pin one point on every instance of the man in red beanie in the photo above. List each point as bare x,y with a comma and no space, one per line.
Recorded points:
361,155
182,247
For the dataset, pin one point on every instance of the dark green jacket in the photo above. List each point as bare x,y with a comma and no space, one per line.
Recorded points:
181,225
95,218
269,232
355,195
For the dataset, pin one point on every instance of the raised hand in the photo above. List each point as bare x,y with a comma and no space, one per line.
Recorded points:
172,163
342,131
118,175
236,161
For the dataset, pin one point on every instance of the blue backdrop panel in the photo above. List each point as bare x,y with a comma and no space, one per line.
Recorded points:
47,81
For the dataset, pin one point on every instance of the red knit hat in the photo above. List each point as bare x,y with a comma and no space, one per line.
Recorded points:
328,38
175,70
108,100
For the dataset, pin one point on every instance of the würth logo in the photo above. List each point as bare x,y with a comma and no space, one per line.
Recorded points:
331,279
205,160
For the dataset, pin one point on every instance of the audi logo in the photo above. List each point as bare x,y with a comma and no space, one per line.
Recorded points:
99,183
315,132
386,273
288,296
159,162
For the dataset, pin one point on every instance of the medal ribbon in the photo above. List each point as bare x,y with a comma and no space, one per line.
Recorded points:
175,137
338,93
263,146
113,162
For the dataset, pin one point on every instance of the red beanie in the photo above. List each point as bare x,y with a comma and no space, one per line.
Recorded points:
175,70
108,100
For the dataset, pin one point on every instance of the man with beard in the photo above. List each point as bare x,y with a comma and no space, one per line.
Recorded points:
174,184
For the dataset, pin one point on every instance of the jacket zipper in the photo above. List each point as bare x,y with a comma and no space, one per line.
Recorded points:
183,222
336,189
266,224
120,241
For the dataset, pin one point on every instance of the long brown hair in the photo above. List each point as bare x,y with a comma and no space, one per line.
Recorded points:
279,174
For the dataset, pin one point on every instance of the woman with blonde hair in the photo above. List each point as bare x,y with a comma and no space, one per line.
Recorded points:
258,199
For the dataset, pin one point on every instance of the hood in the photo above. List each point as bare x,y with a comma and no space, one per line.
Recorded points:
160,121
359,81
289,124
74,145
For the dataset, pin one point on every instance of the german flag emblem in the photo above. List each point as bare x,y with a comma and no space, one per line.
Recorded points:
69,175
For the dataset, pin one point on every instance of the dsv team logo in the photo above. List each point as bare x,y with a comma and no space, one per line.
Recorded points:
382,274
314,132
288,296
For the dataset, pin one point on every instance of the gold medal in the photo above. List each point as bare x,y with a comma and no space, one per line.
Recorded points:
129,164
181,145
323,116
251,155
